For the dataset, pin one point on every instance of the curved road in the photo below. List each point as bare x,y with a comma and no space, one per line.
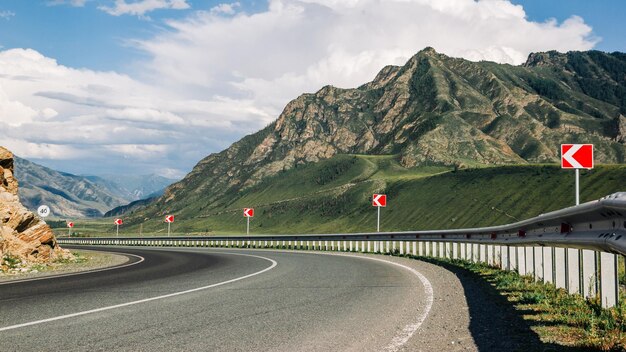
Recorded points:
217,300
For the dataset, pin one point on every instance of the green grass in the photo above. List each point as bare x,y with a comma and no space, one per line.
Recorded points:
334,196
555,315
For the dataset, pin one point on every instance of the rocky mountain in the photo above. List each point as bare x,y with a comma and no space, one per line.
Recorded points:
24,238
133,187
434,110
79,196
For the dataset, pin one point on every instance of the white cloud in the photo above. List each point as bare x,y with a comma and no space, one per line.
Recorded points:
226,9
299,46
219,74
141,7
6,14
74,3
63,113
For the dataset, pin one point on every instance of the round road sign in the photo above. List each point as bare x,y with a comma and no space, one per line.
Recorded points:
43,211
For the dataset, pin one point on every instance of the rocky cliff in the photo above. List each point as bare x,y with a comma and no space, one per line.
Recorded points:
24,238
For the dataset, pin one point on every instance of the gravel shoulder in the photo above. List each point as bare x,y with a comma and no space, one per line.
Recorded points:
88,260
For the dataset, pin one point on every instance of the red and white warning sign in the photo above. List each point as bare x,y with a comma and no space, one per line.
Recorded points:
169,218
118,221
70,224
248,212
379,200
577,156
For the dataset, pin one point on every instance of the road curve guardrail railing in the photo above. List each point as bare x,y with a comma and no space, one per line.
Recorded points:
575,248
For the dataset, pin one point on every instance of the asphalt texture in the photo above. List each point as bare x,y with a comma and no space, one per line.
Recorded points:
299,302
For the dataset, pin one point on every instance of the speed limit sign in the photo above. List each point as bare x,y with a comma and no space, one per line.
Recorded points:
43,211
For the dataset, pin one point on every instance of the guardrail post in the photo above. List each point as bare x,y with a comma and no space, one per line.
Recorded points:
505,255
520,253
589,276
483,253
414,244
538,263
498,258
548,259
362,246
573,270
609,284
560,275
529,255
369,246
512,258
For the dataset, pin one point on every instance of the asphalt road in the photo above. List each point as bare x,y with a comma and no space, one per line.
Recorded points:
218,300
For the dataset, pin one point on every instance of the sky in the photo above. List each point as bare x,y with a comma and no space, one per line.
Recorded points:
97,87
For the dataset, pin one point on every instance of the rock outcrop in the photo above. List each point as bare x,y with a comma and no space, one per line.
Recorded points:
24,238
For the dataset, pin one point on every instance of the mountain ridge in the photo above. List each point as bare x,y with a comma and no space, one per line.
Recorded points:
434,110
74,196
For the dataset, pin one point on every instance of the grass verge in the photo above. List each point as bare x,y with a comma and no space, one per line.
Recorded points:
555,315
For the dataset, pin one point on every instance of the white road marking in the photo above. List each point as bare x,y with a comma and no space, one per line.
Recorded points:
61,317
402,338
141,259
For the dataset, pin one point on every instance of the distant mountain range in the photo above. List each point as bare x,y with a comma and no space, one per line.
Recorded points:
74,196
433,111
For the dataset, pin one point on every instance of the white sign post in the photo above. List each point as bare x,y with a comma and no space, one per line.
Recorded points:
577,156
379,201
69,228
248,213
169,219
118,222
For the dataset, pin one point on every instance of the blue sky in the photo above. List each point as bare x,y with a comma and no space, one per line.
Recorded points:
85,36
153,86
606,17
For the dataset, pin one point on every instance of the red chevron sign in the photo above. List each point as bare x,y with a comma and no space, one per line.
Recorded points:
70,224
118,221
577,156
169,218
248,212
379,200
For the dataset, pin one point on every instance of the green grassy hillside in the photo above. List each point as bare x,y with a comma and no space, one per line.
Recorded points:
334,196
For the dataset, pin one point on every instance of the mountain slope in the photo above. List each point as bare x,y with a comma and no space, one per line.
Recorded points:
133,187
75,196
334,195
434,110
67,195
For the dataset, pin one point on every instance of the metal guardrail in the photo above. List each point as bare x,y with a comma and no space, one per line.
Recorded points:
575,248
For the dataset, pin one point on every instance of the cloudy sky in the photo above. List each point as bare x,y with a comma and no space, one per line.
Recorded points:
153,86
